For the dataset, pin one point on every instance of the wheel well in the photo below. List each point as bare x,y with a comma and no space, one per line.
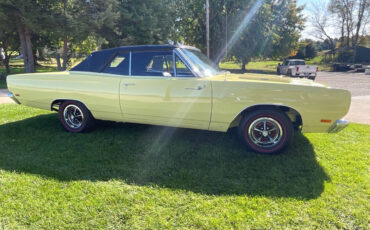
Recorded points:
55,104
293,115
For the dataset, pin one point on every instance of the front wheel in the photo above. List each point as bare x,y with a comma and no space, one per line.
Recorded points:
266,131
75,117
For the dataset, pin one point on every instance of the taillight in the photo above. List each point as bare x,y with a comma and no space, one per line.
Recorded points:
317,69
297,69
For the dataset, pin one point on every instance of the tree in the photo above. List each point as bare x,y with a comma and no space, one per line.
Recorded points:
273,31
301,52
9,43
26,17
321,22
348,18
237,27
77,21
310,51
191,24
141,22
286,29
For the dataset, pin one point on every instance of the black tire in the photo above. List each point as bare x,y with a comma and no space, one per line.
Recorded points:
75,117
283,132
290,73
312,78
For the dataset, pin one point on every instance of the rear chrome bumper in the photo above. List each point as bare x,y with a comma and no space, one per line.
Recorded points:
13,98
338,126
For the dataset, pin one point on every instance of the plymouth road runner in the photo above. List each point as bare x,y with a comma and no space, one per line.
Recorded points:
179,86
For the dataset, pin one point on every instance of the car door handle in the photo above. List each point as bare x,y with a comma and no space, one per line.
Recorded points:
197,88
128,84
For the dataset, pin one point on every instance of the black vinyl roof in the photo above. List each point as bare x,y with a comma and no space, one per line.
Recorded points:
96,61
141,48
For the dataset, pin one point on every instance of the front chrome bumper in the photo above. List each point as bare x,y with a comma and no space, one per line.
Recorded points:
11,95
338,126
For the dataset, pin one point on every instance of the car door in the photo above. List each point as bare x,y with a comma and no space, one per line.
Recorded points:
99,91
156,93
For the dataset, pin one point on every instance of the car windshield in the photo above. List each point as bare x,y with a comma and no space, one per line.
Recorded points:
201,63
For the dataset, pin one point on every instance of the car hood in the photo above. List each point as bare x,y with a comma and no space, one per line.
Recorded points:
265,78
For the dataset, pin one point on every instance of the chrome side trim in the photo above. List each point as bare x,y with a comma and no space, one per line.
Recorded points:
13,98
338,126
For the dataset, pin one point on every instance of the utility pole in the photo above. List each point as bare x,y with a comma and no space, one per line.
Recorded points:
207,26
226,32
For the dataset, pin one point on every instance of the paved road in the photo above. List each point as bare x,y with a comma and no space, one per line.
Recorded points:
359,86
357,83
4,96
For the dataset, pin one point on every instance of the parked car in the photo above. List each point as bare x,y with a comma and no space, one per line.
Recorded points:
297,68
179,86
341,67
358,67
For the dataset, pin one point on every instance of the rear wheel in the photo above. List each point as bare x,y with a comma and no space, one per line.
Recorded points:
75,117
266,131
312,77
290,73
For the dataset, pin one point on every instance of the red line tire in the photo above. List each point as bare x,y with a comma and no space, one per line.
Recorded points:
75,117
266,131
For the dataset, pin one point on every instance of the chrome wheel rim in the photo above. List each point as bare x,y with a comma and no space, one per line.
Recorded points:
265,132
73,116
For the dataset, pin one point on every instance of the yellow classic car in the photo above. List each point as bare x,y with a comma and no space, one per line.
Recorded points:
179,86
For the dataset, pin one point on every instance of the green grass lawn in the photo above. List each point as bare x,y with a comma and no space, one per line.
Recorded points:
143,177
268,67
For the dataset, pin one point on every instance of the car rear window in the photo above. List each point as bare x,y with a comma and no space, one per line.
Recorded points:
119,64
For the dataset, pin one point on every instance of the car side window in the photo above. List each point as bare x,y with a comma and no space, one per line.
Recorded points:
152,63
181,69
119,64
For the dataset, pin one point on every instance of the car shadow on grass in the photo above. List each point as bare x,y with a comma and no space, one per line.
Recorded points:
199,161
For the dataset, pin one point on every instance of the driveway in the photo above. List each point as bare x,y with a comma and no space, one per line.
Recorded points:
4,96
359,86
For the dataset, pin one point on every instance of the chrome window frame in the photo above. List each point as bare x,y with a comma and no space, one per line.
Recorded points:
130,64
186,61
176,52
174,63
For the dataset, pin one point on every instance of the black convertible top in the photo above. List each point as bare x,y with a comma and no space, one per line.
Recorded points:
97,60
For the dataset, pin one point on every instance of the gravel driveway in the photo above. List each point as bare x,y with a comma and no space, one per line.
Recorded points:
359,86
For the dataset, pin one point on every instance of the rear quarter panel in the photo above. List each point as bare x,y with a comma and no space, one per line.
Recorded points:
99,93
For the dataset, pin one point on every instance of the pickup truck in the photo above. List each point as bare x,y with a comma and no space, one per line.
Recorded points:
297,68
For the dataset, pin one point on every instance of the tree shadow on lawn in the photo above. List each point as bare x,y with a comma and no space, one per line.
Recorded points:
199,161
